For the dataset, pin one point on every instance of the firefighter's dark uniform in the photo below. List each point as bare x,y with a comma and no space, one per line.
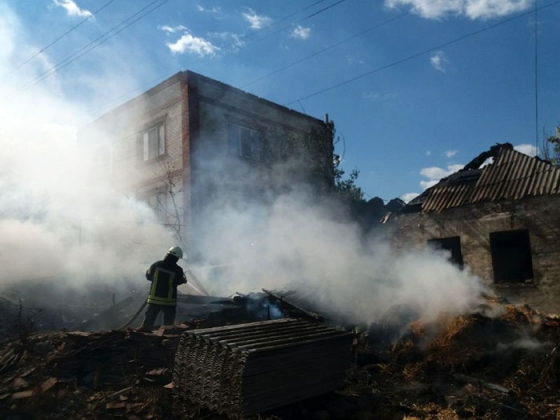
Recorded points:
165,276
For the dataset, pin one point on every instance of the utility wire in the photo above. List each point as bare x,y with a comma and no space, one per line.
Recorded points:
268,35
302,19
461,38
411,57
304,58
97,42
322,10
46,47
285,18
537,80
371,28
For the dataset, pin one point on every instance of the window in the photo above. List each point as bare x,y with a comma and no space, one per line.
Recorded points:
152,142
511,256
244,142
452,245
157,201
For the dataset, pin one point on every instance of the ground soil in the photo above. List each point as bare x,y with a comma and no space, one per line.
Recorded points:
504,366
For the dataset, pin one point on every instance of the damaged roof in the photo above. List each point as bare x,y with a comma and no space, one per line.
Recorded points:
511,176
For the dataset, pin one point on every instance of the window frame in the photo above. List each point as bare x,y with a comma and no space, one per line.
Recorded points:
149,153
244,141
151,198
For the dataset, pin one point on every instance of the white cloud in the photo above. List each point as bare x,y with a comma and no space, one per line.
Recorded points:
428,152
353,61
473,9
300,32
378,96
428,184
484,9
172,29
439,61
528,149
212,10
193,45
408,197
435,174
72,8
233,40
256,21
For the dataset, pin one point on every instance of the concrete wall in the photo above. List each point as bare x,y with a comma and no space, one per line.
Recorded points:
473,224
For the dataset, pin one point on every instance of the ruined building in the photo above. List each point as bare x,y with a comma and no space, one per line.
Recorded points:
192,144
499,219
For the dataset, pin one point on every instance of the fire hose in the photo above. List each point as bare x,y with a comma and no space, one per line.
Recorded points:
192,277
131,320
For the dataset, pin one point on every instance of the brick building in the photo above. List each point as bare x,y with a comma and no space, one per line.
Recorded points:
192,143
500,220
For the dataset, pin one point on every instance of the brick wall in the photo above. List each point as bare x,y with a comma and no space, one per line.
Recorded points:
473,224
119,131
196,111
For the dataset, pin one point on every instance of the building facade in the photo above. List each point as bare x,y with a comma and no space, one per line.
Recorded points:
192,143
500,220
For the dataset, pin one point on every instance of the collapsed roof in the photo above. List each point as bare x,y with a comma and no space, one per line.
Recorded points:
510,176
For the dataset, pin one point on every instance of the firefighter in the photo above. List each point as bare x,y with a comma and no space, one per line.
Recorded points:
165,276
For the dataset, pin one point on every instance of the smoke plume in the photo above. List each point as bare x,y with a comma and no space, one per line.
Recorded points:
60,221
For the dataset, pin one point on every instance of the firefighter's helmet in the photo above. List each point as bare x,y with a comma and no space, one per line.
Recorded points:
176,252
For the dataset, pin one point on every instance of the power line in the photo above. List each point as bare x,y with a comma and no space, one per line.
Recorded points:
273,33
302,19
536,78
322,10
96,42
46,47
397,62
411,57
371,28
285,18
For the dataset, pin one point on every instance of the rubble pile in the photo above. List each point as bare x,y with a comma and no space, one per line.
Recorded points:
474,366
252,368
71,374
490,365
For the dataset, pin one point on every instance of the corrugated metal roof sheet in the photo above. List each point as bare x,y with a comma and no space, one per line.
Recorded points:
245,369
512,176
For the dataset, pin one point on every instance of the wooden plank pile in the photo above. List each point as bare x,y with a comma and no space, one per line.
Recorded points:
251,368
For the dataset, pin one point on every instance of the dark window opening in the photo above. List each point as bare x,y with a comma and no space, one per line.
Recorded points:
511,256
245,142
452,245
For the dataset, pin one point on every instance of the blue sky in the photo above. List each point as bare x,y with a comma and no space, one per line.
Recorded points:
416,88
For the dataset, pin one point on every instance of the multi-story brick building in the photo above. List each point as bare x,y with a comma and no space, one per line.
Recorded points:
501,220
191,143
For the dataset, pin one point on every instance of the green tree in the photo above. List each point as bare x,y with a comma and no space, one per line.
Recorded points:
550,149
347,186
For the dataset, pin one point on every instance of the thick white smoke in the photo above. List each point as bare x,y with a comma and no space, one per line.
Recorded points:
58,219
302,244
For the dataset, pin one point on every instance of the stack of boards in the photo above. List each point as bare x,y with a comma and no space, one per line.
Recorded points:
246,369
